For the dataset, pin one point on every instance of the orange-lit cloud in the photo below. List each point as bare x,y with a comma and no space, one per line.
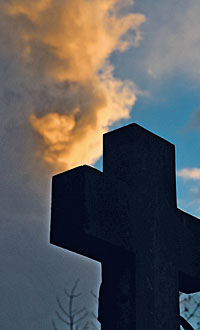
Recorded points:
190,173
64,46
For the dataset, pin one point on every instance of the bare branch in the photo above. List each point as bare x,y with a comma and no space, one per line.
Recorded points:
74,287
75,313
195,301
193,312
185,324
94,315
69,295
94,325
61,307
54,325
73,317
81,318
94,295
61,318
86,326
184,300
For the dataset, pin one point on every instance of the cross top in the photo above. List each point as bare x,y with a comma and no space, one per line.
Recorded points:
126,217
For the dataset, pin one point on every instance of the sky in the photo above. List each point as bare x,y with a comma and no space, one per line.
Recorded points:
71,71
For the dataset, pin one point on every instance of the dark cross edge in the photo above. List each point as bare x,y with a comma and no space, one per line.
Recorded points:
126,217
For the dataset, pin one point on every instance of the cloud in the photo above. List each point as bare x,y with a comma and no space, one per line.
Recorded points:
192,177
66,86
189,173
194,122
175,43
58,94
194,190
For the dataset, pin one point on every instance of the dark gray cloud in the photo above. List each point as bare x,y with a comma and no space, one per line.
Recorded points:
41,75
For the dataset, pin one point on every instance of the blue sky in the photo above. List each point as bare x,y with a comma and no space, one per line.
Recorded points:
63,84
170,82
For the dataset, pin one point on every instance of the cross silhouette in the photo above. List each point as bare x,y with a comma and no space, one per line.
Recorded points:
126,218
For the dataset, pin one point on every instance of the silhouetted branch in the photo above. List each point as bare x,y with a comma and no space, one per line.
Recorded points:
81,318
61,307
192,314
72,317
71,295
190,307
61,318
75,313
94,325
185,324
86,326
94,315
94,295
54,325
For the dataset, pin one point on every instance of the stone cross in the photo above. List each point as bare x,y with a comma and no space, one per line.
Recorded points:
126,218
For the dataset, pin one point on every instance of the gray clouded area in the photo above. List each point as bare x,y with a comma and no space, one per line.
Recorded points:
56,88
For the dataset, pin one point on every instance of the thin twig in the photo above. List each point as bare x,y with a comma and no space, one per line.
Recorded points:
61,307
61,318
54,325
75,313
81,318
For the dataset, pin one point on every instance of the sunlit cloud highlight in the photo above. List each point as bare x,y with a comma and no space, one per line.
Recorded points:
64,48
189,173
